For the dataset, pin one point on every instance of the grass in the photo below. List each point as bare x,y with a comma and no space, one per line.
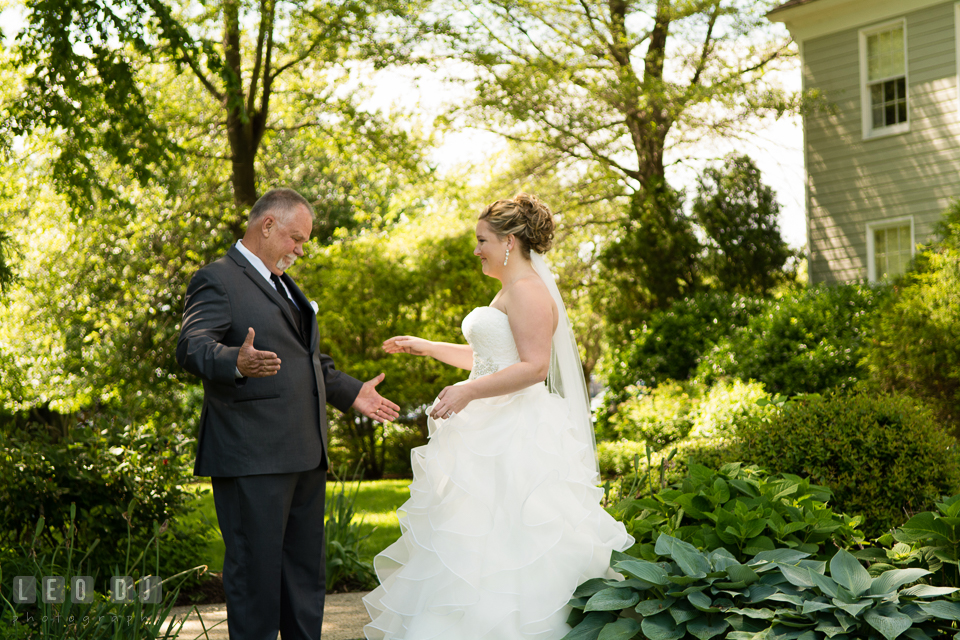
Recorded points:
377,502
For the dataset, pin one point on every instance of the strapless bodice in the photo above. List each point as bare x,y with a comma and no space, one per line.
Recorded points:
487,329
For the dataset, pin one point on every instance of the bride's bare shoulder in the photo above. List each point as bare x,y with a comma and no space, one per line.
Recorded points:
530,294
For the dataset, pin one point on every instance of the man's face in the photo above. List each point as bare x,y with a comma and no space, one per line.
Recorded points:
284,244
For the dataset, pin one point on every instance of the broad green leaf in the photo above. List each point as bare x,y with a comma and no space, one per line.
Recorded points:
829,628
590,627
782,556
888,621
742,573
759,544
648,608
811,606
682,612
662,627
889,581
926,525
826,584
941,609
703,629
853,609
643,570
915,633
757,614
612,599
798,576
759,593
690,560
926,591
622,629
848,571
701,601
590,587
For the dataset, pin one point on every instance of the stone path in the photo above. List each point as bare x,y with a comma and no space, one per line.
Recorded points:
343,618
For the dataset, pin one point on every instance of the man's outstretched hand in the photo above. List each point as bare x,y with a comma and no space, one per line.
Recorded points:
256,364
373,405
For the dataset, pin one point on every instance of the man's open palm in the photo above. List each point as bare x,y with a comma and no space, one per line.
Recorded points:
256,364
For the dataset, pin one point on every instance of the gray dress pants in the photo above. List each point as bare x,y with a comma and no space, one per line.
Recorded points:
274,567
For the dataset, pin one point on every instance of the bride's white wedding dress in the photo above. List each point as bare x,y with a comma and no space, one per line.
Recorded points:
503,521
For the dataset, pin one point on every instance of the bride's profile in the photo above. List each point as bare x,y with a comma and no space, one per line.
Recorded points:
504,517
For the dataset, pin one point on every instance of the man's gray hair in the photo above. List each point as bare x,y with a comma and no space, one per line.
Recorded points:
281,202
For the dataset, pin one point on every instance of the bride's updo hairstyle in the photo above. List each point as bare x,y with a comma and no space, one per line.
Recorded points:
524,216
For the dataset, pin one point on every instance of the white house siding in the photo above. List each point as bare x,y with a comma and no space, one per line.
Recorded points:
853,181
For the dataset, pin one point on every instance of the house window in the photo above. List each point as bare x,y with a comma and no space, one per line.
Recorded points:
884,74
889,247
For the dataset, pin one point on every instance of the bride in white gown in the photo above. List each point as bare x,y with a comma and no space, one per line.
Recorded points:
504,517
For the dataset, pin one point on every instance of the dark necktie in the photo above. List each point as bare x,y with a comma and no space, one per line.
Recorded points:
293,308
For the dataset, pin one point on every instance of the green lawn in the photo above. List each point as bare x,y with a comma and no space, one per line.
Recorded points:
377,502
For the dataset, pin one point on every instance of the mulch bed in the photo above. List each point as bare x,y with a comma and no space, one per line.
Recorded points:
208,591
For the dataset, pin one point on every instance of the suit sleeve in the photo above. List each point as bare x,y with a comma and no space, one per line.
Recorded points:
206,320
342,389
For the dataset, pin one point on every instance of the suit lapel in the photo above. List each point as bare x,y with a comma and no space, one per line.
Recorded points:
257,279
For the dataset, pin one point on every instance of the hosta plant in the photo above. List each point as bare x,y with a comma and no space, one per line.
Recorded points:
776,595
740,509
929,540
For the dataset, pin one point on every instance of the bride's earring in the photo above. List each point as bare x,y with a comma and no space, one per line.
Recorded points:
507,257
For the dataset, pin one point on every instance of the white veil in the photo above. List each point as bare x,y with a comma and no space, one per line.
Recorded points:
565,377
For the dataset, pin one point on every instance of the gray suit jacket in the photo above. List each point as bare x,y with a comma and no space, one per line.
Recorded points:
252,426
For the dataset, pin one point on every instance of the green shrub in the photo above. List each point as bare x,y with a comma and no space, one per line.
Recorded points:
915,346
774,595
929,540
674,411
882,456
742,510
804,343
116,475
342,539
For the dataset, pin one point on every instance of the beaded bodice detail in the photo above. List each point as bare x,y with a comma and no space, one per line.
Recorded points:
488,332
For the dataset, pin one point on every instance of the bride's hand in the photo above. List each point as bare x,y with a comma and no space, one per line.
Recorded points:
451,400
407,344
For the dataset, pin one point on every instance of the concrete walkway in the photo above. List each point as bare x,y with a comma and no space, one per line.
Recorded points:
343,618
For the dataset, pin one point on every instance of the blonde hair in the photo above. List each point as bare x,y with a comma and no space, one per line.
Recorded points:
525,217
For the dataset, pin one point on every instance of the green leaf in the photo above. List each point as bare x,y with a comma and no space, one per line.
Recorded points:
798,576
915,633
826,584
682,612
661,627
643,570
941,609
848,571
648,608
622,629
888,621
889,581
853,609
781,556
926,525
701,601
612,599
590,627
691,561
810,606
926,591
704,629
590,587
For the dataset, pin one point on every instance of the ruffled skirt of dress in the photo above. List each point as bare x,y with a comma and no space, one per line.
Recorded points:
502,524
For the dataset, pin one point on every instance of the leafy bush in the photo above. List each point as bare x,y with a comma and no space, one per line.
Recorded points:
740,509
882,456
121,478
669,344
775,594
345,570
915,346
804,343
929,540
99,619
672,412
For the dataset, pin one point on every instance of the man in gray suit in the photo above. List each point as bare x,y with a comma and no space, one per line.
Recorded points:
252,338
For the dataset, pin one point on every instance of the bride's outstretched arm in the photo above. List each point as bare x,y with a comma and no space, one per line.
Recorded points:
532,316
458,355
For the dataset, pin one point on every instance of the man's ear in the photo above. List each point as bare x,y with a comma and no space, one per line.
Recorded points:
268,225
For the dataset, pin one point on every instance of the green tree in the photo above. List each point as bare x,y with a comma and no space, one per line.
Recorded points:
745,252
606,90
91,69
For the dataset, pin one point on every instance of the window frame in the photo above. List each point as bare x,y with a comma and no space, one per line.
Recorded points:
879,225
866,107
